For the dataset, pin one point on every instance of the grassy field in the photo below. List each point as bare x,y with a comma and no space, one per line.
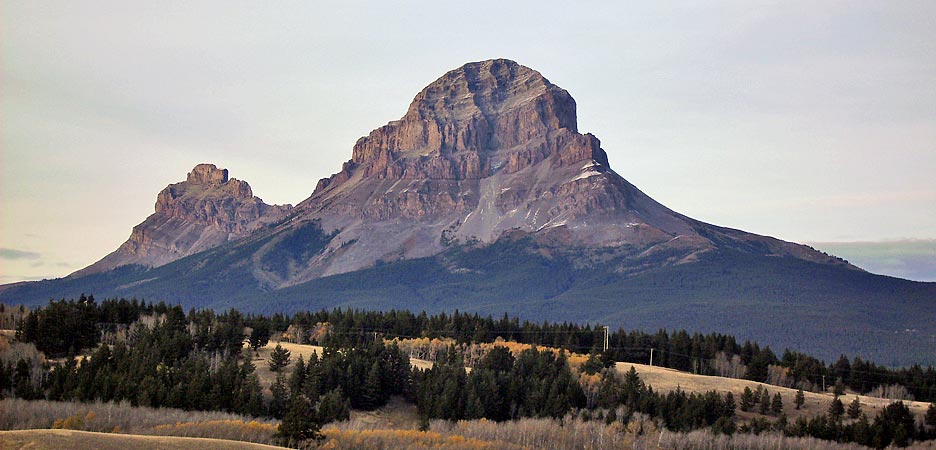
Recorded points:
664,380
78,440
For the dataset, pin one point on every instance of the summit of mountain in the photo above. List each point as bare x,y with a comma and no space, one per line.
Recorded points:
202,212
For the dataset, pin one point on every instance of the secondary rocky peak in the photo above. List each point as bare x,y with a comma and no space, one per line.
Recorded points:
205,210
207,174
205,184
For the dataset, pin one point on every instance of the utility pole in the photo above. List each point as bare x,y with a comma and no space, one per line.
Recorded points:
823,383
651,357
607,339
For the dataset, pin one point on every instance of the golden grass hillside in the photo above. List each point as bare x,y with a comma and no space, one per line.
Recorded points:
80,440
665,380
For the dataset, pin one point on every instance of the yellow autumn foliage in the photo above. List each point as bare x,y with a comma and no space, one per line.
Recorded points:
367,439
252,431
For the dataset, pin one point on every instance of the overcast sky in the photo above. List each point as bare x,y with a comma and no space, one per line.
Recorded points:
808,121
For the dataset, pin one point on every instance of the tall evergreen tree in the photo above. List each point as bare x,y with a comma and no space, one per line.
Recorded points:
279,358
299,424
776,405
260,335
298,377
747,399
765,402
854,408
895,424
372,392
800,398
836,409
729,405
279,397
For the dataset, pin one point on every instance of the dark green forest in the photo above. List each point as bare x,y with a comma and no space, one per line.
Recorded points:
781,302
162,356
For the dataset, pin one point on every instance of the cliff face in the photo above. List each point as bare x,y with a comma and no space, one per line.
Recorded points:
488,148
204,211
473,121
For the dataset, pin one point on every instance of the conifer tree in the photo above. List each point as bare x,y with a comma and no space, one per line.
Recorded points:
22,380
299,424
729,405
765,402
593,365
474,409
930,418
836,409
297,377
371,394
747,399
800,398
260,335
279,398
333,406
776,405
854,408
279,358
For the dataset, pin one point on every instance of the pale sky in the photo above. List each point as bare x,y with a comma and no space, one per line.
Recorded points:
808,121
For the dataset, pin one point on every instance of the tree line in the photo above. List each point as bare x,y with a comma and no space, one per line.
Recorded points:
65,327
695,352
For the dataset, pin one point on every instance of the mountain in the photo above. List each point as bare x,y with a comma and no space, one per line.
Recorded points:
204,211
489,149
485,197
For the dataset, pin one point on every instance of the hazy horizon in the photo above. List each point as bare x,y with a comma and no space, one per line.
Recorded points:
809,123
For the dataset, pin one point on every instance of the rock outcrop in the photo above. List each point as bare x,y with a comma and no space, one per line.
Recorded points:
204,211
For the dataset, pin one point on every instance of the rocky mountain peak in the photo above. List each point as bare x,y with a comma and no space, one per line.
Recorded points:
205,185
205,210
479,119
492,88
207,174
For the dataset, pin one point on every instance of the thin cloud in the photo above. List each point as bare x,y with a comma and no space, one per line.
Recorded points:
13,254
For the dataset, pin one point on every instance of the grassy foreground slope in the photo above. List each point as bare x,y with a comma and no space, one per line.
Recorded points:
79,440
